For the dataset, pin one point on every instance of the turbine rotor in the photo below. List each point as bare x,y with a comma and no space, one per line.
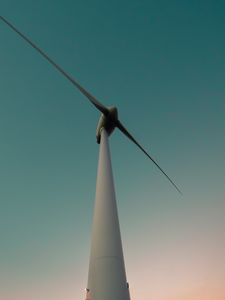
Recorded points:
109,117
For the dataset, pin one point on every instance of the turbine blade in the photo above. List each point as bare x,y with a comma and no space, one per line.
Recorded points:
120,126
90,97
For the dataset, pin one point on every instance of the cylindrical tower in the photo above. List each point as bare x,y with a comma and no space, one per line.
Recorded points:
107,277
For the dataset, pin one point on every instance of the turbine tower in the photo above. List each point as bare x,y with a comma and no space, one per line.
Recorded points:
107,277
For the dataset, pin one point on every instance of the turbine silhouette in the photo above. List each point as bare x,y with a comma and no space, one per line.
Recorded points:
107,278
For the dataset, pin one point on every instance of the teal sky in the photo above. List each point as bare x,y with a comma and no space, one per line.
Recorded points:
162,63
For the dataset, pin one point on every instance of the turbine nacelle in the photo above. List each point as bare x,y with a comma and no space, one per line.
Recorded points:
108,122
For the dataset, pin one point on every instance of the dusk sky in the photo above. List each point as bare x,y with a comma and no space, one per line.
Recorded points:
162,63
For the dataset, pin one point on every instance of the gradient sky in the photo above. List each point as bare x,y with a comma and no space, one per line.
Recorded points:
163,64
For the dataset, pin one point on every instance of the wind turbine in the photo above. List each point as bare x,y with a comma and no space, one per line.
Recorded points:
107,277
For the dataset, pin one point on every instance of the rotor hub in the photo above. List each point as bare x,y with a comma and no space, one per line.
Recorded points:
108,122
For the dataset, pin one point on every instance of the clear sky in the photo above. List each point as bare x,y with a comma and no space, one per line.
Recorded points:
162,63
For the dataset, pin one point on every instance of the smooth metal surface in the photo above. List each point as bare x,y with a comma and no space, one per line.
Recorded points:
107,277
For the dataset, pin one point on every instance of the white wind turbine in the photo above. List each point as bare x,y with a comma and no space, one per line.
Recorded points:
107,277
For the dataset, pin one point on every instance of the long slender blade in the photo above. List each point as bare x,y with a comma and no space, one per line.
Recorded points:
90,97
124,131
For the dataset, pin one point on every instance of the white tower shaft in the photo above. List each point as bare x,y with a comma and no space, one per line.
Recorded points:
107,277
